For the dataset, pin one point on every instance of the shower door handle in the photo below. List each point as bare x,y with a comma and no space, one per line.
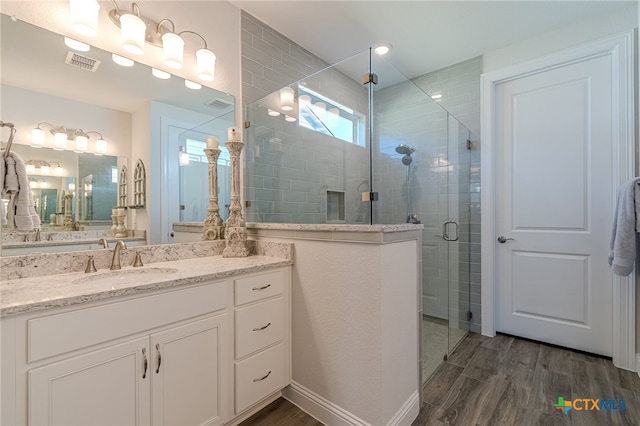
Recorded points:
445,231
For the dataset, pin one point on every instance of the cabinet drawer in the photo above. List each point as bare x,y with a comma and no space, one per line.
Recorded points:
56,334
258,287
259,325
259,376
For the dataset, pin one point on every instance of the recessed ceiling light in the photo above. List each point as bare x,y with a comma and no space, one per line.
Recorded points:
382,49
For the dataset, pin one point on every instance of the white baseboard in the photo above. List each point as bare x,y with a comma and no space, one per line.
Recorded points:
408,412
638,364
329,413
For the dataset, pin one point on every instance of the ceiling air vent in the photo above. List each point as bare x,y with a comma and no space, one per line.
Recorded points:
81,61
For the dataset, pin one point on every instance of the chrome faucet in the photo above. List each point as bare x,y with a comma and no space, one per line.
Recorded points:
103,242
115,261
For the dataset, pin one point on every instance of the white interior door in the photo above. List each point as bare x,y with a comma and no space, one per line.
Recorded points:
555,183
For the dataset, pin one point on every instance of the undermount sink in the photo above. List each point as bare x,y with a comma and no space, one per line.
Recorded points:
120,277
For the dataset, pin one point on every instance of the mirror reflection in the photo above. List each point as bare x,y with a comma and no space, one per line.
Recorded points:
122,112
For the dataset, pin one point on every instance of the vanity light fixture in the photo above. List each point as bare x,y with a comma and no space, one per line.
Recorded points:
45,167
84,16
62,135
121,60
137,29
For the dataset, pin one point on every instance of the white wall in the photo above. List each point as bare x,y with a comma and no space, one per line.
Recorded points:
623,19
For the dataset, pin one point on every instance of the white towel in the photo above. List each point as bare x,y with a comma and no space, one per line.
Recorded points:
623,236
22,213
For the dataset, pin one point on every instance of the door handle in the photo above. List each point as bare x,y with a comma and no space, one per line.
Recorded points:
502,239
445,231
159,357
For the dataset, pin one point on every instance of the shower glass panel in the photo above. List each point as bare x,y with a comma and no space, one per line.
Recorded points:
316,148
307,149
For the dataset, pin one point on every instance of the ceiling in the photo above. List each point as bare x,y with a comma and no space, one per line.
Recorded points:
426,35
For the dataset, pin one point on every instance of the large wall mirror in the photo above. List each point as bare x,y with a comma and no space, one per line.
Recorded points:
45,81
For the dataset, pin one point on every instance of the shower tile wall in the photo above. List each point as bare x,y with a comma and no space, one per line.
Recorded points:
271,61
292,167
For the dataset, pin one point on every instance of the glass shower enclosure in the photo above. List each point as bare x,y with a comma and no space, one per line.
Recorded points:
359,143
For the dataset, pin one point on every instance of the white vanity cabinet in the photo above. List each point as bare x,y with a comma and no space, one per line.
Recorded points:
262,337
160,358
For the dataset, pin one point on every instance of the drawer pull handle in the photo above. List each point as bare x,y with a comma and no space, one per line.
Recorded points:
262,378
159,358
146,364
261,288
261,328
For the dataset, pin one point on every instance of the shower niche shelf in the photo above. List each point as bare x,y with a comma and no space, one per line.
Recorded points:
335,207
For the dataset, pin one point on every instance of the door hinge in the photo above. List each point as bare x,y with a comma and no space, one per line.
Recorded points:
370,196
369,78
469,144
469,315
247,124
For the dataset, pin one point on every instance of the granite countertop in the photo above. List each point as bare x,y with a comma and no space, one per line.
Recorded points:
26,295
338,227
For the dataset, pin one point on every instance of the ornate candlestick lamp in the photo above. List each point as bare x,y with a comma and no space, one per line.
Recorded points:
235,233
213,224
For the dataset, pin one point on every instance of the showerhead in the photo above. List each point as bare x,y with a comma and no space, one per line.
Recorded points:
406,160
405,150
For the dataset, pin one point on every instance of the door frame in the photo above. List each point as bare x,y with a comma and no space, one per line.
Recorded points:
620,48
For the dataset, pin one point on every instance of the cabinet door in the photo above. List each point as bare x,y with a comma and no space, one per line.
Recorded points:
104,387
188,375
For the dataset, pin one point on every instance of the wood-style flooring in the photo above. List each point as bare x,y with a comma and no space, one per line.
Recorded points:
507,381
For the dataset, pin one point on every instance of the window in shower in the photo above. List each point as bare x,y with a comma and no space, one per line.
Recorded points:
326,116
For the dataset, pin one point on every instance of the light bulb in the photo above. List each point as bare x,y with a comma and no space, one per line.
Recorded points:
60,141
101,147
133,31
37,137
30,168
206,64
286,98
81,143
173,48
84,16
44,169
58,171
